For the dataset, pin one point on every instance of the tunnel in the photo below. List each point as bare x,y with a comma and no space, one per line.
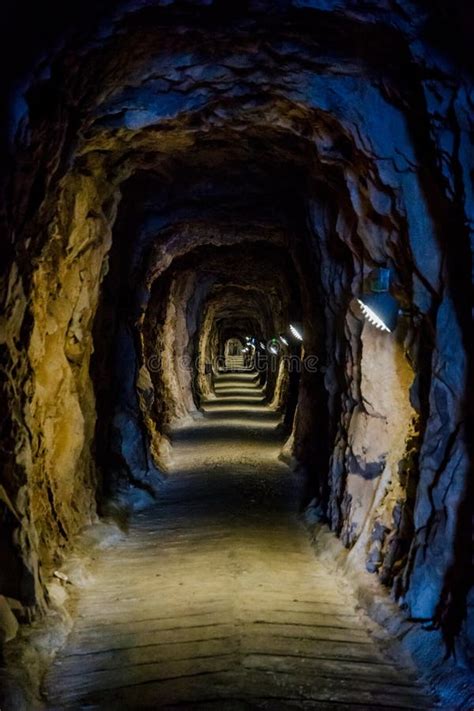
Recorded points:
235,402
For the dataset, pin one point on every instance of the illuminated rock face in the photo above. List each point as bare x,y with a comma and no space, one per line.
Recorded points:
182,174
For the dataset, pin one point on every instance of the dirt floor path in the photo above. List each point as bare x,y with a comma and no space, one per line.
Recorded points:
215,598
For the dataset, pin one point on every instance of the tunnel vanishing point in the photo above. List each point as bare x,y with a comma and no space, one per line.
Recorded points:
235,337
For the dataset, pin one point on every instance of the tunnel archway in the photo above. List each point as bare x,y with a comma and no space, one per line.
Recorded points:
177,176
233,346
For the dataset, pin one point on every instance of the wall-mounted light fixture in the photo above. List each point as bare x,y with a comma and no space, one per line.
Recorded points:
296,331
274,346
378,305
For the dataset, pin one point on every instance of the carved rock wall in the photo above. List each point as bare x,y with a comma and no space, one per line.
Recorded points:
163,188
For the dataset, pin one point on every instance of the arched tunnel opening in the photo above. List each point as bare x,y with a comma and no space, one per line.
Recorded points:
235,356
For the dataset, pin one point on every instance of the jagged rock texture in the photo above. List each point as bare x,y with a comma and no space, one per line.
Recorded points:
184,166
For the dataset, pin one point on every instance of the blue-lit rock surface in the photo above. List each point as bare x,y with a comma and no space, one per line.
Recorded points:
170,167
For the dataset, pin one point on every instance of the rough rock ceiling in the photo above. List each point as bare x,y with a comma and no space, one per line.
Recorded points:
175,167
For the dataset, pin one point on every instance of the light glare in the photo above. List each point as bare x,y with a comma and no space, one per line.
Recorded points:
372,317
296,333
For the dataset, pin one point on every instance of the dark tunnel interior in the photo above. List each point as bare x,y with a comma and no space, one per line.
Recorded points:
235,351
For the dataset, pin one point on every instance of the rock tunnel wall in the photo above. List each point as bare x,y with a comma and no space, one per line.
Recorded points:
336,135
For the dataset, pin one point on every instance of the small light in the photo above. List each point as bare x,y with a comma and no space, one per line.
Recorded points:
379,307
372,317
262,346
273,350
283,340
295,332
